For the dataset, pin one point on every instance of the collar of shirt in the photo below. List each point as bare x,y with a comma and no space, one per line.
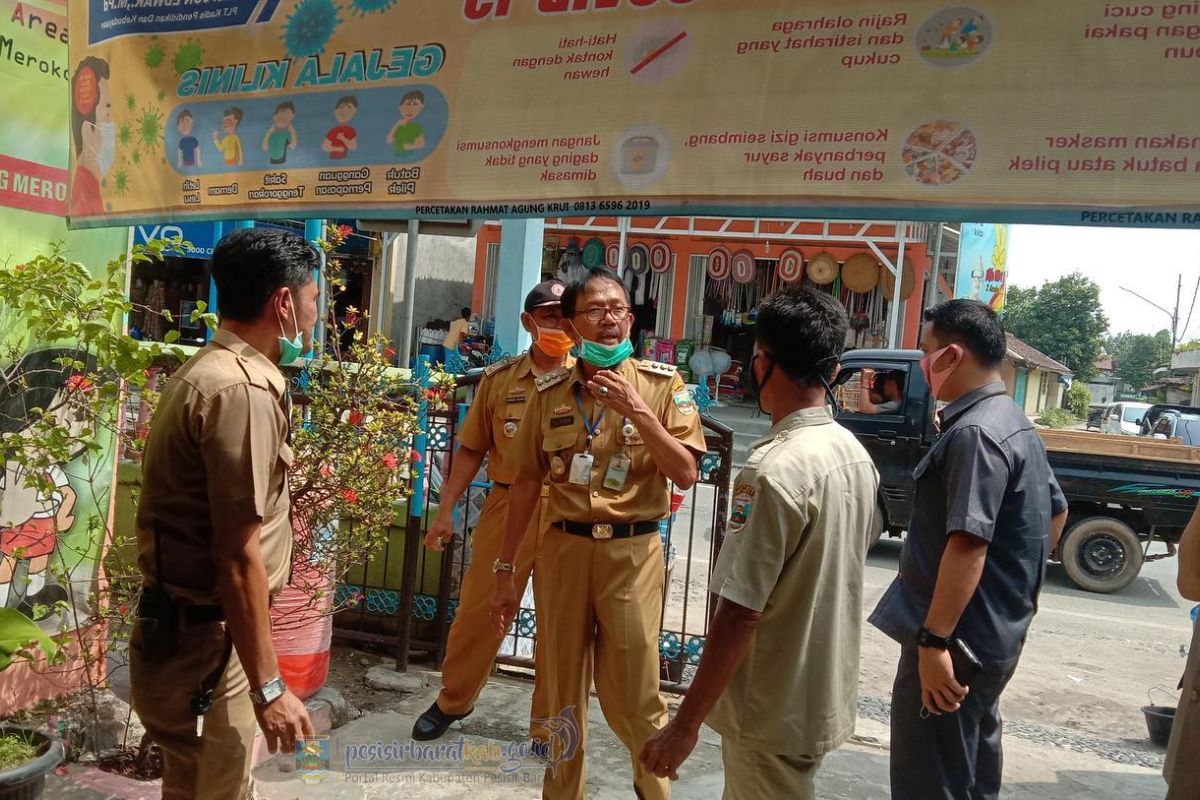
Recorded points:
969,400
257,361
623,369
804,418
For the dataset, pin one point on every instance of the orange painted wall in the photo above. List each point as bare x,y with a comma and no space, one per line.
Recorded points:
684,246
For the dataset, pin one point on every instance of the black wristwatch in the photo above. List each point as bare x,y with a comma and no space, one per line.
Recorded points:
926,638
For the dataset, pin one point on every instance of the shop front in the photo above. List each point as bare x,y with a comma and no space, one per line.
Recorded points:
697,282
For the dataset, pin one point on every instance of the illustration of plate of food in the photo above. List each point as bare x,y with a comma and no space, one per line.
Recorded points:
939,152
954,37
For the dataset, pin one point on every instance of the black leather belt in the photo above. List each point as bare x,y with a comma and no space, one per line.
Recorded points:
608,530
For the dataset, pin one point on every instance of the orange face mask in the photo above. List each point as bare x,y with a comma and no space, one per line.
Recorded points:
552,342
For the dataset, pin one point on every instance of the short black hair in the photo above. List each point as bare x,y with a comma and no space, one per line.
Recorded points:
578,287
415,94
466,312
287,105
973,325
895,376
233,111
348,100
804,331
250,265
96,69
185,114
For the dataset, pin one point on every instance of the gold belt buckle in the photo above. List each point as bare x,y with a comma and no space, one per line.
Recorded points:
602,531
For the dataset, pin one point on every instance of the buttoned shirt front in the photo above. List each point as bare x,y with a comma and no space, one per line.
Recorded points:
502,400
217,452
794,550
987,476
556,428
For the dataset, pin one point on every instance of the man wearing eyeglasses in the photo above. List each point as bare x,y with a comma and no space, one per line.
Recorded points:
607,435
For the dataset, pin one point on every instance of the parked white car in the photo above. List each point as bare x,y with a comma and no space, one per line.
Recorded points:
1125,419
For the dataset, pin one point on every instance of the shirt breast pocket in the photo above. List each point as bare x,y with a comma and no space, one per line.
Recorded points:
508,420
560,440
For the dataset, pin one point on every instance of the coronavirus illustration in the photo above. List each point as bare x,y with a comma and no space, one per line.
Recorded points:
310,26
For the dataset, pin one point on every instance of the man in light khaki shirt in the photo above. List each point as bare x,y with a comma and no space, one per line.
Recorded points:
779,675
213,529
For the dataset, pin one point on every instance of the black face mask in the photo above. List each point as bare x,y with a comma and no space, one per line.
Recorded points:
755,386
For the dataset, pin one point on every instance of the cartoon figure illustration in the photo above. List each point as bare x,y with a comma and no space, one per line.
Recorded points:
950,34
343,139
230,144
281,136
406,134
189,145
33,517
94,135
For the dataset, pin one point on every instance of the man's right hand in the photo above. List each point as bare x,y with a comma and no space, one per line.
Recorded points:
505,600
440,532
283,722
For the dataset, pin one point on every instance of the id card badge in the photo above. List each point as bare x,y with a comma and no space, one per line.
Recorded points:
581,469
617,472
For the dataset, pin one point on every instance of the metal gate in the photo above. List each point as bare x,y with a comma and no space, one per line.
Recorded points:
414,613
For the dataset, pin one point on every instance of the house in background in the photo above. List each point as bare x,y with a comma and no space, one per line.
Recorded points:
1174,385
1035,381
1187,364
1106,387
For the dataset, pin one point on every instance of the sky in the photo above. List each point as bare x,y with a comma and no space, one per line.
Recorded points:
1147,261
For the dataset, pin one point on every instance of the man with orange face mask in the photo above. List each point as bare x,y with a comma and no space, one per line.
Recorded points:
500,403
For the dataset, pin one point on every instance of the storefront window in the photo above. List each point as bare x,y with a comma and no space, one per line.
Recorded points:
164,295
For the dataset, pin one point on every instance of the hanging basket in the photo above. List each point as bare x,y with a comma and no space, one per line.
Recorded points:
742,265
612,255
822,269
791,266
637,260
593,253
718,264
887,283
860,273
660,257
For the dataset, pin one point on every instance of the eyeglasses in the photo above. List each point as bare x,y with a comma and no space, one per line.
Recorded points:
619,313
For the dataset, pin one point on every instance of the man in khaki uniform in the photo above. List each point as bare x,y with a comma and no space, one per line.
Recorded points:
779,676
609,433
501,401
214,537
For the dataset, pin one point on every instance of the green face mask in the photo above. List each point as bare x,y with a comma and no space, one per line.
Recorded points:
603,355
290,349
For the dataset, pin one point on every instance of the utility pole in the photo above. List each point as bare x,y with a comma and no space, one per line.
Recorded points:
1174,315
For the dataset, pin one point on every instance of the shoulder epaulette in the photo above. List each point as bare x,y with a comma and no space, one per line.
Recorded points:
657,368
500,366
554,378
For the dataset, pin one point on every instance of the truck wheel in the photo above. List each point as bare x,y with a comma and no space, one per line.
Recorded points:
1102,554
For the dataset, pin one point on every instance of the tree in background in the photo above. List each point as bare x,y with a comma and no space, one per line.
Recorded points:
1063,319
1078,399
1136,356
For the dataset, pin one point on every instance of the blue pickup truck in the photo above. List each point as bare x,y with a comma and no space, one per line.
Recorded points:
1124,492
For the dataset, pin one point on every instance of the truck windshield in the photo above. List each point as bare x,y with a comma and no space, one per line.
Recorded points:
1133,414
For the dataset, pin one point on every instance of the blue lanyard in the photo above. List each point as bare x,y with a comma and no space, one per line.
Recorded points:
592,426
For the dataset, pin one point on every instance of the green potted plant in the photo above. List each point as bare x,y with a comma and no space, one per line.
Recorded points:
26,756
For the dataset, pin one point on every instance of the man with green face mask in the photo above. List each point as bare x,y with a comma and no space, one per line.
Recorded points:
607,435
213,530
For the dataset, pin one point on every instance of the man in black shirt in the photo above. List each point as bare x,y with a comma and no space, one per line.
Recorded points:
986,514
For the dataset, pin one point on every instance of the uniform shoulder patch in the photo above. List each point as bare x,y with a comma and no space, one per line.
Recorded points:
544,382
500,366
657,368
740,508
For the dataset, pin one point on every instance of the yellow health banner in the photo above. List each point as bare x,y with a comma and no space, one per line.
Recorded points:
1075,111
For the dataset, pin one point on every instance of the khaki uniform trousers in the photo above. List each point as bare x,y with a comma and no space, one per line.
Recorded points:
598,603
215,765
472,646
1181,769
755,775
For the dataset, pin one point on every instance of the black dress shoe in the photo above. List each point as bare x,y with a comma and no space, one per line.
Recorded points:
434,722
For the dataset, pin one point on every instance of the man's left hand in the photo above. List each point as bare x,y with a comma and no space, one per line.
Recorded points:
666,750
611,388
940,692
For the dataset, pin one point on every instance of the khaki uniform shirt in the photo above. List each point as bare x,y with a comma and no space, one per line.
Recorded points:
217,452
501,400
555,429
794,550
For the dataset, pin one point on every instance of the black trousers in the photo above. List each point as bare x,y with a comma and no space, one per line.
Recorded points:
948,757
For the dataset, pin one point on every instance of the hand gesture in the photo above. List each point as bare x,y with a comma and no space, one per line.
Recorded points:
940,692
283,722
440,532
666,750
611,388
